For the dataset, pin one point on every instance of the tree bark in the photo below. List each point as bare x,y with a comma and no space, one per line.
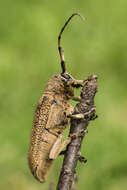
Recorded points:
87,109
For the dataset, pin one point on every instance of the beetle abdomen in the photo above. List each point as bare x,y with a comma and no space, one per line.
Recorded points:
39,161
40,144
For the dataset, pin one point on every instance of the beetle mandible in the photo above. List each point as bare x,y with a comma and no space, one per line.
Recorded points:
51,118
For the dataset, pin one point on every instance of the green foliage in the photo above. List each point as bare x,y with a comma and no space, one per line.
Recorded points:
29,56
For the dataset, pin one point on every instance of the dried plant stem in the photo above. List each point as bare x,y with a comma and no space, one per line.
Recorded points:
87,109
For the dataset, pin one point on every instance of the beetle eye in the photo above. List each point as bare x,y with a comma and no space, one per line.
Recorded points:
66,76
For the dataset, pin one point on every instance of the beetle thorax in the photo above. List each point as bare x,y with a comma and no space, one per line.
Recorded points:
57,86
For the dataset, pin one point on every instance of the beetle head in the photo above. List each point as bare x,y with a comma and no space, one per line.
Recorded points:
63,85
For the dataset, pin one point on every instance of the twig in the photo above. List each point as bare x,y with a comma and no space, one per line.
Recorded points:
87,108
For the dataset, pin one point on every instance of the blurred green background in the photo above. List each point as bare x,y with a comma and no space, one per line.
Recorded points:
29,56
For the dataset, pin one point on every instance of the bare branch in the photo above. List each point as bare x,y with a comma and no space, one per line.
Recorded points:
87,108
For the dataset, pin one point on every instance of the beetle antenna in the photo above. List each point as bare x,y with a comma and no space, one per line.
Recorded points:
61,52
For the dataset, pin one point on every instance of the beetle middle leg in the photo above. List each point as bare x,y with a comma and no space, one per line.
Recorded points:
78,98
84,116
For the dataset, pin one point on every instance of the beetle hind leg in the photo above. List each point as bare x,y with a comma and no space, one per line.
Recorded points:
58,147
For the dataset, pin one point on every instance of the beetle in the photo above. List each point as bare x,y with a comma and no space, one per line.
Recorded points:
51,118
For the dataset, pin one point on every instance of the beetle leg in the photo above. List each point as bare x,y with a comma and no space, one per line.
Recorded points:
81,158
78,133
76,116
77,98
58,147
77,83
84,116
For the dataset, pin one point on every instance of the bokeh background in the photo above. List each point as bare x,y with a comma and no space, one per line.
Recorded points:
29,56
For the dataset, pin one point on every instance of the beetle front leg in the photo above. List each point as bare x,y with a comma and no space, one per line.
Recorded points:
78,83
